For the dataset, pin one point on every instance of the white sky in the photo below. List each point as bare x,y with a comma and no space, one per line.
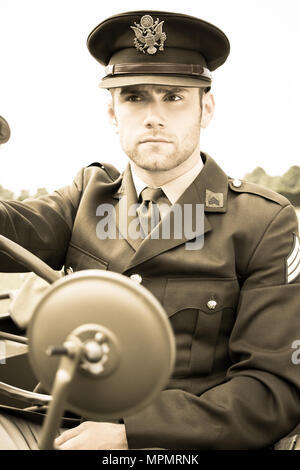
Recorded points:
49,93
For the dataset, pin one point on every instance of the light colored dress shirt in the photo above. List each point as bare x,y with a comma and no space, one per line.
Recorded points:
173,189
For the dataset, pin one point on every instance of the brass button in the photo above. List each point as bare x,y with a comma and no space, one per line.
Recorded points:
237,183
211,304
136,277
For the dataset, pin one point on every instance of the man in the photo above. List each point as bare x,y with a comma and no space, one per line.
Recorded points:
233,297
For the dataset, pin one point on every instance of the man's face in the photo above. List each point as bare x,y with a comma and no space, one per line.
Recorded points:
159,126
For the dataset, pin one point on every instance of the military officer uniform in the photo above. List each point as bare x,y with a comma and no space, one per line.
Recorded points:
233,304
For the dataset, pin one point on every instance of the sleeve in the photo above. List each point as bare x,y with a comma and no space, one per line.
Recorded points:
259,402
42,225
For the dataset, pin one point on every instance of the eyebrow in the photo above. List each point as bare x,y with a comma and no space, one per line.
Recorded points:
139,89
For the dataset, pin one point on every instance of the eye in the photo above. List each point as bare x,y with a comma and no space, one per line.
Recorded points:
173,97
134,98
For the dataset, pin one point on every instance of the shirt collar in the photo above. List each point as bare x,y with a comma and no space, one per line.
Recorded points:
175,188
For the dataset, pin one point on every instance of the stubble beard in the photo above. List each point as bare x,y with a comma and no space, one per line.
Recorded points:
164,160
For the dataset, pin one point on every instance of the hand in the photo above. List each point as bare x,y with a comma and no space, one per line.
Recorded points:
91,435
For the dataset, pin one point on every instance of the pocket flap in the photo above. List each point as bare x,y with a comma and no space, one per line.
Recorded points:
79,259
208,295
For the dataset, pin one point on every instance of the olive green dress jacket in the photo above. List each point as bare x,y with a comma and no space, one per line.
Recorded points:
234,303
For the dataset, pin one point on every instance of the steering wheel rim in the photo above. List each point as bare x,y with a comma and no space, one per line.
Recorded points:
25,395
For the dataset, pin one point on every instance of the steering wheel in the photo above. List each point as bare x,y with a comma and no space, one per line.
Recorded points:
107,334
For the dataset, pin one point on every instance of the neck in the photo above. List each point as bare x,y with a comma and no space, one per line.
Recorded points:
159,178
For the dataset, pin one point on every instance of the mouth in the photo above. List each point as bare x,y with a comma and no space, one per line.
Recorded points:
155,140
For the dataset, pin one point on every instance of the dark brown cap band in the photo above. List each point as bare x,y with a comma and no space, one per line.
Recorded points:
159,68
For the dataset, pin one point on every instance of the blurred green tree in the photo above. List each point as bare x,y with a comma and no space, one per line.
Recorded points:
288,184
24,194
40,192
290,181
5,193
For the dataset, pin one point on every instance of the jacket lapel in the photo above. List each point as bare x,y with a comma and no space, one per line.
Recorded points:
125,209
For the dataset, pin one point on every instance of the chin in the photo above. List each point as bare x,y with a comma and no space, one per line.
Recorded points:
156,166
157,163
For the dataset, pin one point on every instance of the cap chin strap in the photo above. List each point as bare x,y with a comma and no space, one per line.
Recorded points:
155,68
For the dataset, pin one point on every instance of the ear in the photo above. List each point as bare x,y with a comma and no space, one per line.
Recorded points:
208,108
111,115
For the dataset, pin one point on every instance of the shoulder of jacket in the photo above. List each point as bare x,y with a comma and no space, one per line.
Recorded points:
242,186
107,168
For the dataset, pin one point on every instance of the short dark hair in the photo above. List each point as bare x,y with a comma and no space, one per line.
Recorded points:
204,90
201,93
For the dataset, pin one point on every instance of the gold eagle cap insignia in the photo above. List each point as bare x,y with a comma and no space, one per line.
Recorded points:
149,36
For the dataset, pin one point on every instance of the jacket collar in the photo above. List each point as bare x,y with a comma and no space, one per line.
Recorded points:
210,188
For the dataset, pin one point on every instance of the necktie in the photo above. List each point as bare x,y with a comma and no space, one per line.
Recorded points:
148,211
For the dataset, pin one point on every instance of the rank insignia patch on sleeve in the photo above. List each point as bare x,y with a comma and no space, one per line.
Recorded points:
293,261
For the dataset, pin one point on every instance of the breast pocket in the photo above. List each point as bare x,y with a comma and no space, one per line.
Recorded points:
78,259
194,308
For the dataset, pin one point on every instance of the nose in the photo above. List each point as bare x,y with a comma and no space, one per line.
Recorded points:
154,118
